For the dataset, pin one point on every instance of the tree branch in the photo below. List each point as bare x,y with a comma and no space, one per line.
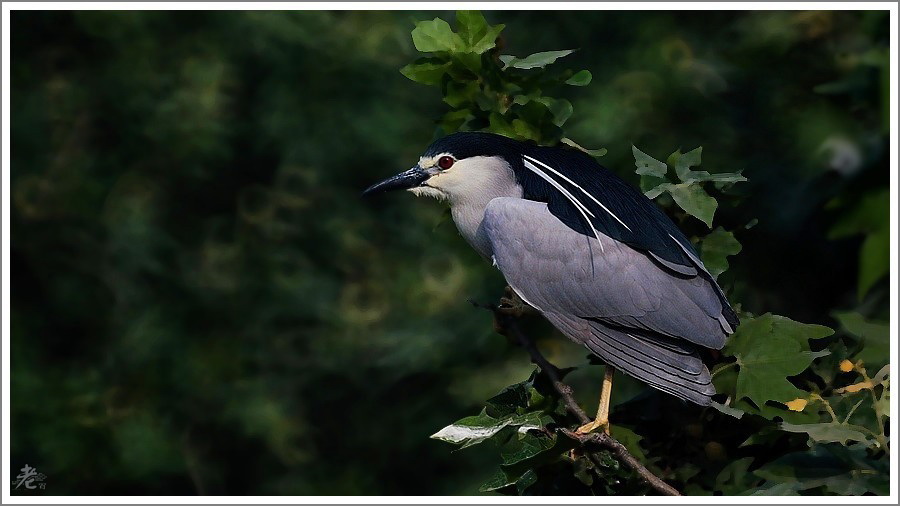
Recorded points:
509,326
618,449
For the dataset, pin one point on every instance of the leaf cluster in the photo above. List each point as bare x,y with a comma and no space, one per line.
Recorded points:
688,191
521,422
490,91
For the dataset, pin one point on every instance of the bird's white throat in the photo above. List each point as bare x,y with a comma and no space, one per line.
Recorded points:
468,186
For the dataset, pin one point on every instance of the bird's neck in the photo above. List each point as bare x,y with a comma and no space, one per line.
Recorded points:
468,214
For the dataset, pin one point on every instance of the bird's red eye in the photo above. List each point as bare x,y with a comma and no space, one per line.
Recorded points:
446,162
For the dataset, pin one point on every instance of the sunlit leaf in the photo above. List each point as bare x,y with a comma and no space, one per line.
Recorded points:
695,201
648,165
682,162
436,36
426,71
471,26
472,430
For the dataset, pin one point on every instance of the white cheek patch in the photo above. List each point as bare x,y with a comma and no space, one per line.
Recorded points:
427,191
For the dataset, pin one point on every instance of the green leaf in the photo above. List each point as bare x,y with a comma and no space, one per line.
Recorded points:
629,439
650,185
873,338
769,349
874,260
657,190
525,445
682,162
582,470
593,152
527,479
647,165
506,477
476,34
561,108
533,61
471,25
734,478
779,489
843,470
695,201
459,94
453,120
506,59
831,432
689,194
513,399
525,130
717,246
498,124
721,177
470,61
774,410
473,430
728,410
870,214
435,36
426,71
488,41
800,333
581,78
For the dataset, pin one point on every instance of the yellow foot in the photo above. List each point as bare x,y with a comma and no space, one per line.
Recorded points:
592,426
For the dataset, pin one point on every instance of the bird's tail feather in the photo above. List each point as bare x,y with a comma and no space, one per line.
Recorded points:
659,361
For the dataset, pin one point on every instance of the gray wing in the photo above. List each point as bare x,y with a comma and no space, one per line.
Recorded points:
617,301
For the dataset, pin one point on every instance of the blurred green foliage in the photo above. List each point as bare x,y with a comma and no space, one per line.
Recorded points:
203,304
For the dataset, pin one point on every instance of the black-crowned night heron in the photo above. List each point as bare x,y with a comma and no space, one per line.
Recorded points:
592,254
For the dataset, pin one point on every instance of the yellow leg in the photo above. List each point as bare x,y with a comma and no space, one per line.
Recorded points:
602,419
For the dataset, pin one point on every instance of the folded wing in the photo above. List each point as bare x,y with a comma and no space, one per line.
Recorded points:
624,304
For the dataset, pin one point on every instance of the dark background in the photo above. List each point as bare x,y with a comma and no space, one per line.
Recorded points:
202,303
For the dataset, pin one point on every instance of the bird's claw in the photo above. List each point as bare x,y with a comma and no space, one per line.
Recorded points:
512,304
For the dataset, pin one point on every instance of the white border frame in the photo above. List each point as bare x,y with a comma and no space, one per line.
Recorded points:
5,188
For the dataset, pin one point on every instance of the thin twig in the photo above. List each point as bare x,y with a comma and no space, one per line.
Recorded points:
508,325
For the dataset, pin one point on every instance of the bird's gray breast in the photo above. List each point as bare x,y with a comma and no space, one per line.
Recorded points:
469,221
467,209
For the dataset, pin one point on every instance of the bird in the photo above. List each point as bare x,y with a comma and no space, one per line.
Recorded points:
590,252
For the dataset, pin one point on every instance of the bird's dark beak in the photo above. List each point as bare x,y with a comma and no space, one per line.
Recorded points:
402,181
